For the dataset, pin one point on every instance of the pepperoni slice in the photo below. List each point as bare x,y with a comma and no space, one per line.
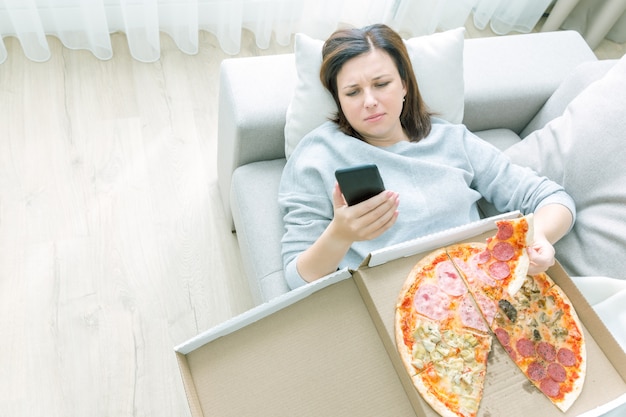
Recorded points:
449,279
526,348
536,371
475,261
511,352
503,251
505,231
566,357
432,302
549,387
483,257
557,372
502,336
546,351
499,270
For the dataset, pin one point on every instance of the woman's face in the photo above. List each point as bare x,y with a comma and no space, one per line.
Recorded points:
371,95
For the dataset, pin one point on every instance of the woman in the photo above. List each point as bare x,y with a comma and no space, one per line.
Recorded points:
435,172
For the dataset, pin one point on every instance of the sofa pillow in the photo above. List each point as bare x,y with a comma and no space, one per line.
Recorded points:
584,150
583,75
437,61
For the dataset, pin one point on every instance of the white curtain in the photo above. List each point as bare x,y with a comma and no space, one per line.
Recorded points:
87,24
595,20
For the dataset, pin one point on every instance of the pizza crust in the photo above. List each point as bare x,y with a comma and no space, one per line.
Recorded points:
577,387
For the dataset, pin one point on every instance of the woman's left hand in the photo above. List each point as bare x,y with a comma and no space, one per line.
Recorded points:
541,255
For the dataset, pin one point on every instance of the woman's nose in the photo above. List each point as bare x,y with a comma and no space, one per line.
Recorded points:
370,100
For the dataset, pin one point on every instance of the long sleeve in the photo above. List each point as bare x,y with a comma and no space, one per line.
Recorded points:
439,179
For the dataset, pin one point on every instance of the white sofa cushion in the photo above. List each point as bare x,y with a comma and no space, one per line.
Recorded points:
437,61
584,150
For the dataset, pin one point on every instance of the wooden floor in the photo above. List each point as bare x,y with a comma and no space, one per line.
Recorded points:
113,244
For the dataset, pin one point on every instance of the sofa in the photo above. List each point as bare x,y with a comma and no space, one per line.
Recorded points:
513,90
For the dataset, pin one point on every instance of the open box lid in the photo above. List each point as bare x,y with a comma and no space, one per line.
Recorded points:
507,391
313,352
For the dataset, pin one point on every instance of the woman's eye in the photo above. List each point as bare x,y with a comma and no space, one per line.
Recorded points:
352,93
386,83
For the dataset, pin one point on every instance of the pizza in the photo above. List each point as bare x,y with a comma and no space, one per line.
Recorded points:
541,332
456,294
442,339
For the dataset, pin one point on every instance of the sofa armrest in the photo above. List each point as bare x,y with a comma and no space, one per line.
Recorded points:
253,99
254,198
509,78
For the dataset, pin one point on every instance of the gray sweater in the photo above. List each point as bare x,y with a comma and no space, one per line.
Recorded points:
439,179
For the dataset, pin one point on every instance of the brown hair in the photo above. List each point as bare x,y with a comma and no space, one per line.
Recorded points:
345,44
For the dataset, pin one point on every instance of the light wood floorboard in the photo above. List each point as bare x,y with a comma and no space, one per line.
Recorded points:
113,243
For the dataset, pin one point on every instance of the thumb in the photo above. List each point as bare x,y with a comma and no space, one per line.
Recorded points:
338,200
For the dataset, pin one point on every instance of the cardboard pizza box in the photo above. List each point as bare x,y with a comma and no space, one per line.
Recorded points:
328,349
507,391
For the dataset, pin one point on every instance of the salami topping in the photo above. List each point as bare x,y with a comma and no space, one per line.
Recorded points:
432,302
470,317
557,372
505,231
503,251
499,270
475,261
502,336
511,352
546,351
483,257
449,279
566,357
525,347
549,387
536,371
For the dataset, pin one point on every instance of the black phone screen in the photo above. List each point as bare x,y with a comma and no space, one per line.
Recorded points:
359,183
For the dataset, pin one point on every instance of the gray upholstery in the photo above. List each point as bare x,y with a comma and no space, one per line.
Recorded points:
252,188
507,80
583,150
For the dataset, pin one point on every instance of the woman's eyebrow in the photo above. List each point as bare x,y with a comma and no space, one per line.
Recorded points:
378,77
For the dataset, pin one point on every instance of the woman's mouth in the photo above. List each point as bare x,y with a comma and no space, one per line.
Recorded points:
374,117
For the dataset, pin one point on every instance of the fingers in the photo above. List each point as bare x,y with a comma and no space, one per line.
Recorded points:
366,220
375,216
541,256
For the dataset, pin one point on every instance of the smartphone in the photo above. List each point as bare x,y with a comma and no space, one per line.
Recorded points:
358,183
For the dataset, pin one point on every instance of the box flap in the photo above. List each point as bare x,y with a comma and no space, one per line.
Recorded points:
435,240
261,311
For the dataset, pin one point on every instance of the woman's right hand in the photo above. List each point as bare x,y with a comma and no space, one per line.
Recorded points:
366,220
363,221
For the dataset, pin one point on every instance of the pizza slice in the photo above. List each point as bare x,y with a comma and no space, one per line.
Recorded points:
531,317
485,290
441,337
506,258
541,332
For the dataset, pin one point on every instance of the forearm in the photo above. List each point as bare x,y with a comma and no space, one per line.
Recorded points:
323,256
552,221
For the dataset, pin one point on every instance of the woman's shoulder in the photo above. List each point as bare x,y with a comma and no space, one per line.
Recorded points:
326,138
324,131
